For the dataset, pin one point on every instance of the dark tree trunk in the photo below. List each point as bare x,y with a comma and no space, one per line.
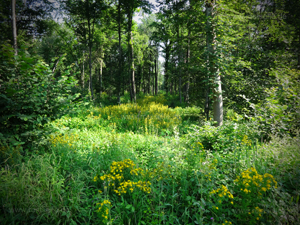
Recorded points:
299,51
144,81
90,55
91,82
180,65
14,25
149,78
100,78
187,85
120,54
131,60
168,49
156,76
82,74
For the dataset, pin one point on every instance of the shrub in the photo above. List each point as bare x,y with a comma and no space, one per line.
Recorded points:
145,100
224,138
30,95
280,111
147,118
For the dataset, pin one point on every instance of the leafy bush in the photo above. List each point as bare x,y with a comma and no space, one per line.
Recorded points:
30,94
88,178
233,116
280,111
145,100
146,118
224,138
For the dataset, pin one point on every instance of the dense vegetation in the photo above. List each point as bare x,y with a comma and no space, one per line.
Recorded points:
96,129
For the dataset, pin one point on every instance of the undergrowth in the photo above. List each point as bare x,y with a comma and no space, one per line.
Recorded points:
149,164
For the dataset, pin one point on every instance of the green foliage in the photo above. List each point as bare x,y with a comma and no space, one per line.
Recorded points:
155,161
229,137
150,117
233,116
31,190
279,111
30,96
145,100
172,179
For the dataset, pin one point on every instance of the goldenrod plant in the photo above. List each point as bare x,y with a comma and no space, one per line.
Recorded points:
114,165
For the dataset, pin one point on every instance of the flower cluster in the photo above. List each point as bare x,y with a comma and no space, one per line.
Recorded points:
130,185
251,181
104,208
246,141
222,199
161,172
213,164
69,140
257,212
197,147
119,177
200,145
226,222
91,116
222,192
149,117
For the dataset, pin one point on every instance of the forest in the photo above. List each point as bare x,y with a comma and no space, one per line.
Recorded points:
150,112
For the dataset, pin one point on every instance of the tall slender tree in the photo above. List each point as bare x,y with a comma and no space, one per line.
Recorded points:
14,25
130,7
84,16
213,70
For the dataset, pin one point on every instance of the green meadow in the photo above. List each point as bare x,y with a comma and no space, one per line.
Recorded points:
149,112
146,163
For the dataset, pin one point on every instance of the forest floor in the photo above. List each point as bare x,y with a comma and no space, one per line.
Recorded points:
150,164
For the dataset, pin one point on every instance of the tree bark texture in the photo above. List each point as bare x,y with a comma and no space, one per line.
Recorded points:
14,25
130,47
214,73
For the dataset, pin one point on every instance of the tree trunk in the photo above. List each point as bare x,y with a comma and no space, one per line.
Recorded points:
130,47
187,85
218,100
100,77
167,68
180,65
120,53
153,81
206,107
90,81
155,66
90,55
14,25
149,79
299,51
172,80
144,81
82,74
213,70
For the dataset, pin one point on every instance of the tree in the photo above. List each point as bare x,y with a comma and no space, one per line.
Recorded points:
14,25
30,19
148,27
293,18
130,7
26,102
213,70
84,16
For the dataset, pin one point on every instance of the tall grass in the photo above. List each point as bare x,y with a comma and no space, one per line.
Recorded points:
101,170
